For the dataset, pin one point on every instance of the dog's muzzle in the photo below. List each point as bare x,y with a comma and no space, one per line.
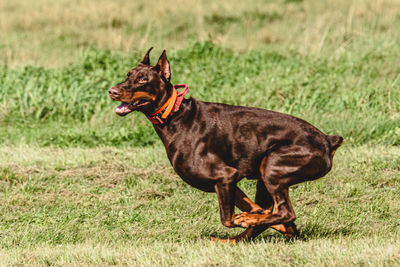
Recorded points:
114,93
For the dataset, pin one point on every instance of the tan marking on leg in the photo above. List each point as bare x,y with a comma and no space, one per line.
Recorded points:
279,227
262,165
269,209
246,220
245,235
288,231
244,203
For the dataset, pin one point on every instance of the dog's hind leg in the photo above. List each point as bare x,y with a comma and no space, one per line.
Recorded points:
283,213
265,201
245,204
279,171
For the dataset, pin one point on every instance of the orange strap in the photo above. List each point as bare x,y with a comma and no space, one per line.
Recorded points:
169,105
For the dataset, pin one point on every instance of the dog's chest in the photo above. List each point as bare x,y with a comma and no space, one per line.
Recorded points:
192,168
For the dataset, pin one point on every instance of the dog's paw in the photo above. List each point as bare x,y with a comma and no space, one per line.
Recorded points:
229,224
241,220
241,215
247,220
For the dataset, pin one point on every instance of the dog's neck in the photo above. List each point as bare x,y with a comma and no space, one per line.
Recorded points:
177,123
170,106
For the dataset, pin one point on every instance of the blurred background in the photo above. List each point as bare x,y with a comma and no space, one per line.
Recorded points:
333,63
55,33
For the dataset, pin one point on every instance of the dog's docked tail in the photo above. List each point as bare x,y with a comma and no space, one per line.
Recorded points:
335,141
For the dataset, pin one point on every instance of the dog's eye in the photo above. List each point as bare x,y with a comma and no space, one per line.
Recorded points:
142,79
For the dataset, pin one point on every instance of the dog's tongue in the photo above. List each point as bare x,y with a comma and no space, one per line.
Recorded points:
123,109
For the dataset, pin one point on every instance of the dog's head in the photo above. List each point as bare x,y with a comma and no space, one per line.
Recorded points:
145,88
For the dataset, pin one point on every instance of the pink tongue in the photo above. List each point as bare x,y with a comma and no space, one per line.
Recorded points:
123,109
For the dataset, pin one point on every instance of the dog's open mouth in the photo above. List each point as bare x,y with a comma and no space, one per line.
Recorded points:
126,108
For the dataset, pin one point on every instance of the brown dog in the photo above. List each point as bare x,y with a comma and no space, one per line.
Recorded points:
213,146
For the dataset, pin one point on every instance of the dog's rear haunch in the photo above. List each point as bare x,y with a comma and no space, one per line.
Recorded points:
213,146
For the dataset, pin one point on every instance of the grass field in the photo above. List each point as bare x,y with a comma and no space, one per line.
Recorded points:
126,206
80,185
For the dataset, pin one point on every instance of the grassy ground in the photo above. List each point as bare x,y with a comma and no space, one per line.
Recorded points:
126,206
79,185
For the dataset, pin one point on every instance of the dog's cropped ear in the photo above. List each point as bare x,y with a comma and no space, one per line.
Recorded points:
146,59
163,66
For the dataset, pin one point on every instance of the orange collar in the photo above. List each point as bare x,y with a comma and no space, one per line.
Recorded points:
170,106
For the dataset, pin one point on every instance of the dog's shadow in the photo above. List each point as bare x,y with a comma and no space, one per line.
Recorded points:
306,233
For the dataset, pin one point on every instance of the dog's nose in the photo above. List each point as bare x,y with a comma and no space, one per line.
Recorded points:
113,92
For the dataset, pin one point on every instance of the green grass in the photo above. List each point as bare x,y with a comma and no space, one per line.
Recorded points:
82,186
70,106
126,206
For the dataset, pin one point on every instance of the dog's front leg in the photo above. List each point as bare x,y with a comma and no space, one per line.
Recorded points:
225,189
